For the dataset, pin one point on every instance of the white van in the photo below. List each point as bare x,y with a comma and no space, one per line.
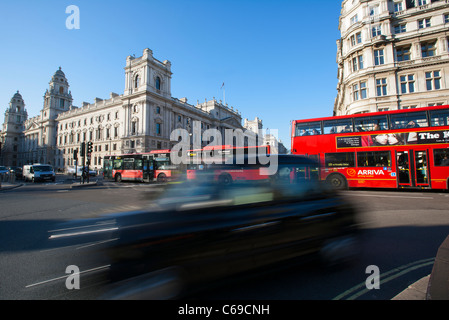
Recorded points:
38,172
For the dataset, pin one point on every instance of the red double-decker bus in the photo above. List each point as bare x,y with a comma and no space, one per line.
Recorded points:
393,149
155,165
225,154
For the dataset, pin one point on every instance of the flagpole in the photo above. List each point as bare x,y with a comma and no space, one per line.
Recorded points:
224,93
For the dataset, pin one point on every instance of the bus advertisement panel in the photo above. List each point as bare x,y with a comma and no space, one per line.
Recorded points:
393,149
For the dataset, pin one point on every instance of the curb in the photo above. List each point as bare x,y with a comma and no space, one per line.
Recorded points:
416,291
10,187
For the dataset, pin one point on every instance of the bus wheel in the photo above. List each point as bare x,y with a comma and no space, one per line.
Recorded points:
337,181
225,179
118,177
162,178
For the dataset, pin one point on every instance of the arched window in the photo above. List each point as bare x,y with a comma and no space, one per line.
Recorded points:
61,90
137,81
158,83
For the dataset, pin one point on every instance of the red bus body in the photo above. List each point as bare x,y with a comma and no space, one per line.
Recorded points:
221,153
393,149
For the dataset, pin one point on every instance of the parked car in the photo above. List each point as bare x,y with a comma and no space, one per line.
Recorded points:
79,171
38,172
16,171
200,231
4,173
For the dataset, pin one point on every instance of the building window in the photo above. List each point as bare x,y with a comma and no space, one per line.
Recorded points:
357,63
137,81
61,103
356,38
424,23
374,11
422,2
381,87
354,19
133,128
428,49
407,83
407,107
158,83
403,54
400,28
446,18
158,110
398,6
158,128
359,91
433,80
375,31
379,57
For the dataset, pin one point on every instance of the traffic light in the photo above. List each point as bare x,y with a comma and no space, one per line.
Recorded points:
83,149
89,147
75,154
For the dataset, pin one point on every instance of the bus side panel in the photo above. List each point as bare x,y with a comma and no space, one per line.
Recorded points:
131,175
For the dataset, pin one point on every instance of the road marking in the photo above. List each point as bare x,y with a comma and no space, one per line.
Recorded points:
63,277
96,243
360,289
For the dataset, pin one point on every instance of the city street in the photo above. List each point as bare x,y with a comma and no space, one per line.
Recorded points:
402,233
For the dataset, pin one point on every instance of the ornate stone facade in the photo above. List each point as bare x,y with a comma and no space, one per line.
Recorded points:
392,55
139,120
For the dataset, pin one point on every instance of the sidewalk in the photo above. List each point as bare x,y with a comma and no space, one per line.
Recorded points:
416,291
9,185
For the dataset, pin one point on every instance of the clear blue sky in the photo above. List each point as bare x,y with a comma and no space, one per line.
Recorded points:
277,58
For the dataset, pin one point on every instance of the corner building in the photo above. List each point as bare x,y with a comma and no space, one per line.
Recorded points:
392,54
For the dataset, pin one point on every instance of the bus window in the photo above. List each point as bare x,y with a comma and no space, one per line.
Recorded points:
408,120
138,164
308,129
439,117
374,123
441,157
338,126
374,159
340,159
118,164
128,164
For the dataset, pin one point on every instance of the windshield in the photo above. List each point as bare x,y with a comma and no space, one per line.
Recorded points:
42,168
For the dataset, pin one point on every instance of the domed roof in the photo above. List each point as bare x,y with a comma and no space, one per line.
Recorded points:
17,96
59,73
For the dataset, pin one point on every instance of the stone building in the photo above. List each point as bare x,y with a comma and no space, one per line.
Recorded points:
12,132
393,54
139,120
